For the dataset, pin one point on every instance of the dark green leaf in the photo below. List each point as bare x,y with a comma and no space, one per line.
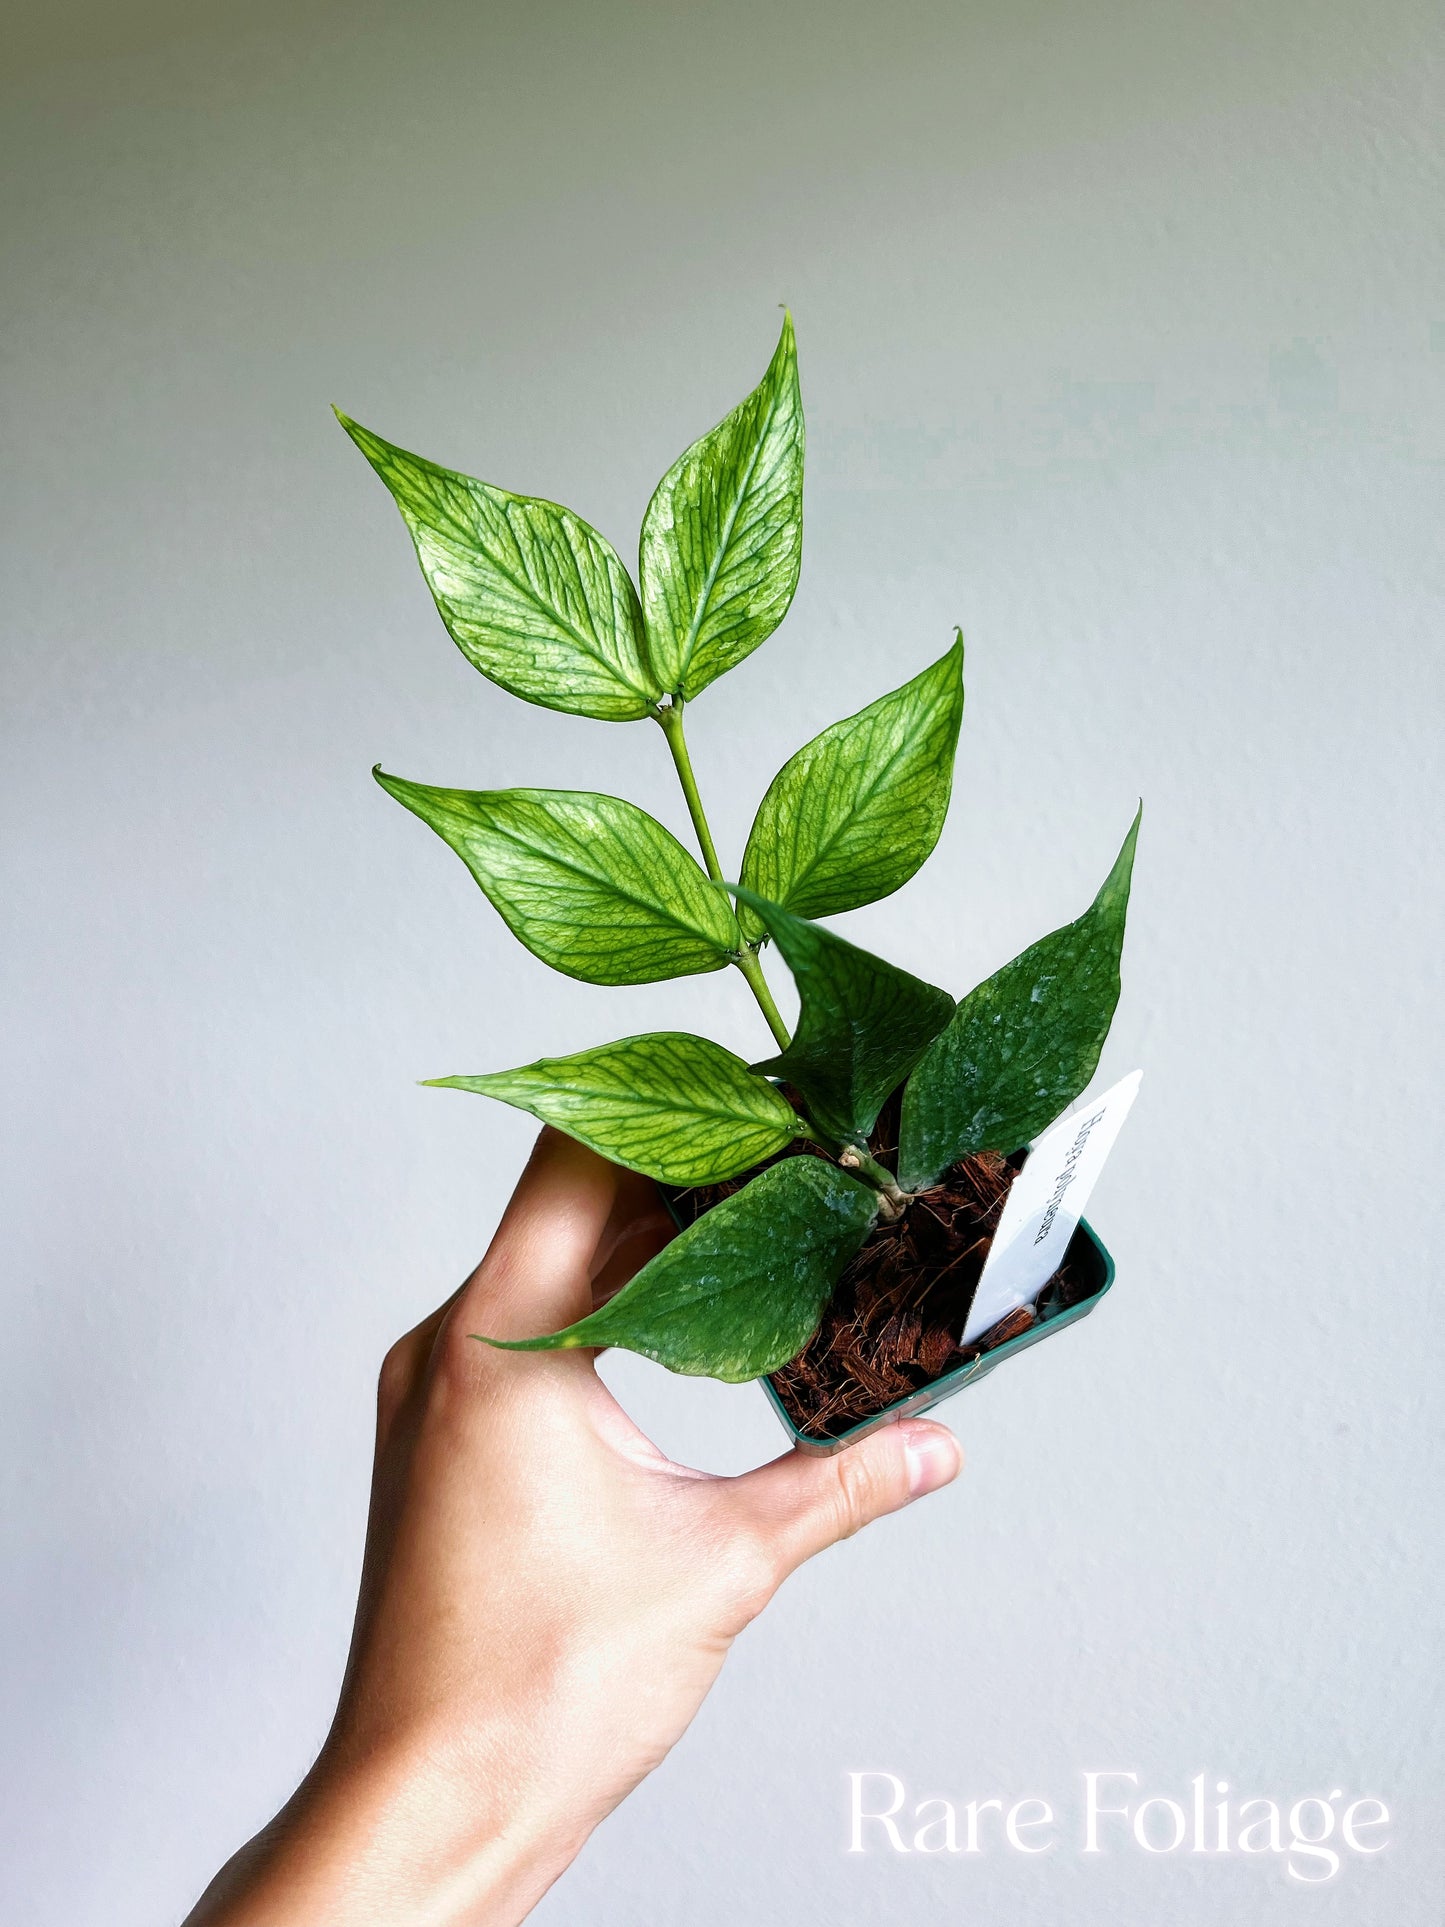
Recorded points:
857,810
1023,1045
592,885
531,595
723,535
862,1026
741,1291
675,1106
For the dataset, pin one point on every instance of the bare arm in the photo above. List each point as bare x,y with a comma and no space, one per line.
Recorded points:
545,1598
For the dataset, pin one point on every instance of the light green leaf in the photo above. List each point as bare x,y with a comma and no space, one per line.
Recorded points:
723,535
1023,1045
678,1107
857,810
862,1026
530,594
741,1291
592,885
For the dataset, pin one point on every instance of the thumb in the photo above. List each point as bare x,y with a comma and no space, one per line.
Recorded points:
803,1503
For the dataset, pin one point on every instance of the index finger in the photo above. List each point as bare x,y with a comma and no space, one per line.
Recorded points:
537,1274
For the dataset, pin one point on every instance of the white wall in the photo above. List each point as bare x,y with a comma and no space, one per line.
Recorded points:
1116,337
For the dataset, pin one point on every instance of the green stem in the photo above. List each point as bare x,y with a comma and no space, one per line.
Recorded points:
748,964
853,1157
867,1166
860,1161
670,717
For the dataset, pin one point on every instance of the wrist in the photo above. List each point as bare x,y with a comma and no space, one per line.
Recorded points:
397,1835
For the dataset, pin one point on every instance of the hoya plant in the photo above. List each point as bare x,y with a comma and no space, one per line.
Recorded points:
596,887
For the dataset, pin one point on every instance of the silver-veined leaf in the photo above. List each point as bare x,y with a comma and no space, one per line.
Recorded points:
531,594
722,539
1023,1045
856,811
590,884
862,1023
677,1107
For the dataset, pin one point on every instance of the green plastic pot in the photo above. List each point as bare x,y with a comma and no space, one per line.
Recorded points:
1086,1252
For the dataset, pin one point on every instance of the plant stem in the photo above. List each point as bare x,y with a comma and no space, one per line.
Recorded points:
748,964
669,715
855,1158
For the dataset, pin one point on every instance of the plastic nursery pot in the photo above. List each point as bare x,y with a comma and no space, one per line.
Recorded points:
1086,1253
1088,1259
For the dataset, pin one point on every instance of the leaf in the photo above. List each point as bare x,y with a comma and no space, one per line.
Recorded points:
723,535
741,1291
680,1108
1022,1046
592,885
856,811
531,595
862,1026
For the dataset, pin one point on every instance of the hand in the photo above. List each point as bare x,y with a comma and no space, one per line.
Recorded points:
545,1598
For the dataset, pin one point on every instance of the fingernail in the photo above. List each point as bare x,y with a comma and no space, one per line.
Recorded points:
933,1457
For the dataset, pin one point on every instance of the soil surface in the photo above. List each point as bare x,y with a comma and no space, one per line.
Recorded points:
893,1321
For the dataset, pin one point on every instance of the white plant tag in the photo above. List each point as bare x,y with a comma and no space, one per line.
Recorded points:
1045,1204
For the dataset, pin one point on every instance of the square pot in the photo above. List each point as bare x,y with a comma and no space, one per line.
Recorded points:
1089,1256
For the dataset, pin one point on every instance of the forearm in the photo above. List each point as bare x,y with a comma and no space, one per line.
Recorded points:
390,1841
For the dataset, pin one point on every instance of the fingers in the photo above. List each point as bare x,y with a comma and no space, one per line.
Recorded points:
637,1229
537,1274
801,1503
403,1366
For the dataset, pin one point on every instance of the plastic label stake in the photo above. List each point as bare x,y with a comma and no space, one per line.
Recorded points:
1044,1205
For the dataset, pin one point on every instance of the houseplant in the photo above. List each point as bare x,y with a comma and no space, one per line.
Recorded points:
892,1102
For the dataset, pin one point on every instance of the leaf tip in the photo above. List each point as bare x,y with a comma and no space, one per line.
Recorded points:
363,437
563,1341
397,787
785,355
1114,890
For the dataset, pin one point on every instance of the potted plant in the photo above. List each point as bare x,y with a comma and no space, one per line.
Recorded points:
836,1198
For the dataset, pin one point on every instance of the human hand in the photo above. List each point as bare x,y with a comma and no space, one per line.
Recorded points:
545,1597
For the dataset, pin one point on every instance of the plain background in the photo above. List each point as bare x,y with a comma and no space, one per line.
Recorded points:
1121,335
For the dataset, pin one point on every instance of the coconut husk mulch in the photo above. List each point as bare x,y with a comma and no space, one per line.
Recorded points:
893,1322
